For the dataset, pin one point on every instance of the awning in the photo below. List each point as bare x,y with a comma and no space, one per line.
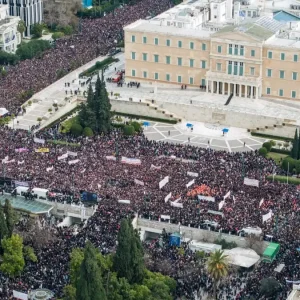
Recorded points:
243,257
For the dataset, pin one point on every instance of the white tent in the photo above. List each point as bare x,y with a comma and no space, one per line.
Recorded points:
242,257
3,111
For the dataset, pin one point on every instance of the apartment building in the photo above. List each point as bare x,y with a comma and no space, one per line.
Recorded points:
216,48
10,38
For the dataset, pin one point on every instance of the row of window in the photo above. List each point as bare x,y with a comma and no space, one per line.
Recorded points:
282,74
282,56
167,77
281,93
168,43
168,60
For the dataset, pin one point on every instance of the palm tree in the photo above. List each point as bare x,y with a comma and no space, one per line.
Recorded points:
217,266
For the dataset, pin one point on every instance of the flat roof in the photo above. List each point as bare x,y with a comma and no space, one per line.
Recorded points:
147,26
281,42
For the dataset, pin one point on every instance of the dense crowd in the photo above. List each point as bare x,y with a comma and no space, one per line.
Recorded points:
112,180
96,38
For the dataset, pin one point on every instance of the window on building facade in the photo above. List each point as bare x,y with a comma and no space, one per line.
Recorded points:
281,74
179,78
295,57
236,49
219,49
133,73
168,60
241,73
203,47
145,74
191,45
252,71
156,41
156,76
179,61
219,67
230,49
235,68
168,43
168,77
132,55
144,40
230,67
133,38
253,53
270,54
268,91
179,44
295,75
191,63
242,52
203,82
282,56
156,58
293,94
145,56
191,80
269,72
203,64
281,92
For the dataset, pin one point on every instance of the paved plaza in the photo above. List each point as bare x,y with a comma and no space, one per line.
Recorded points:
31,206
204,135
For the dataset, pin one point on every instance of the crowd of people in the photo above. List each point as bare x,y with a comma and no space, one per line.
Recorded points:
95,38
99,169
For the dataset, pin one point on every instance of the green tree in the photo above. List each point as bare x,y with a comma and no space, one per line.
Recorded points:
267,145
57,35
37,30
263,151
32,49
67,30
89,285
128,130
96,113
3,225
76,256
8,58
136,125
21,27
288,164
69,292
29,254
10,217
87,131
76,129
13,259
269,287
217,266
295,150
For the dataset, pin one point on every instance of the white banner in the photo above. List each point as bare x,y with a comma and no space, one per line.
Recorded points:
39,141
174,204
163,182
193,174
9,161
177,200
139,182
261,202
155,167
111,158
49,169
5,159
190,183
267,216
64,156
165,217
227,195
72,162
233,199
72,153
19,295
221,204
21,162
130,161
251,182
124,201
168,197
206,198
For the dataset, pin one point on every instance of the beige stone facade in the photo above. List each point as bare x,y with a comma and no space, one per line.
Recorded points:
224,62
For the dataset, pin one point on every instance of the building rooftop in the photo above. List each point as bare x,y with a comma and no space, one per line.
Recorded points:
284,16
284,43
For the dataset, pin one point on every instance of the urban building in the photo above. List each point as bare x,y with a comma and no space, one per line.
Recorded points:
215,46
9,35
30,11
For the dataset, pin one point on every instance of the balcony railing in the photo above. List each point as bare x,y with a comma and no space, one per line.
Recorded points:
215,76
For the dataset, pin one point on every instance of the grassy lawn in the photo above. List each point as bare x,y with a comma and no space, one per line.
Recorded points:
277,157
282,179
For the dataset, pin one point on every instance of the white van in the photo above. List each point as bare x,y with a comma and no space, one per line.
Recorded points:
40,193
21,190
250,230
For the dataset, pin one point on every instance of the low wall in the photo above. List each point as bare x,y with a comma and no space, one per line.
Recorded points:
286,131
195,233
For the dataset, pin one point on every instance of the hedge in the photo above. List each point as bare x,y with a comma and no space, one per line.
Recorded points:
59,142
283,179
118,125
269,136
98,66
280,151
138,117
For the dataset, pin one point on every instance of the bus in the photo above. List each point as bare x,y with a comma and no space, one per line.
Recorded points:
271,252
